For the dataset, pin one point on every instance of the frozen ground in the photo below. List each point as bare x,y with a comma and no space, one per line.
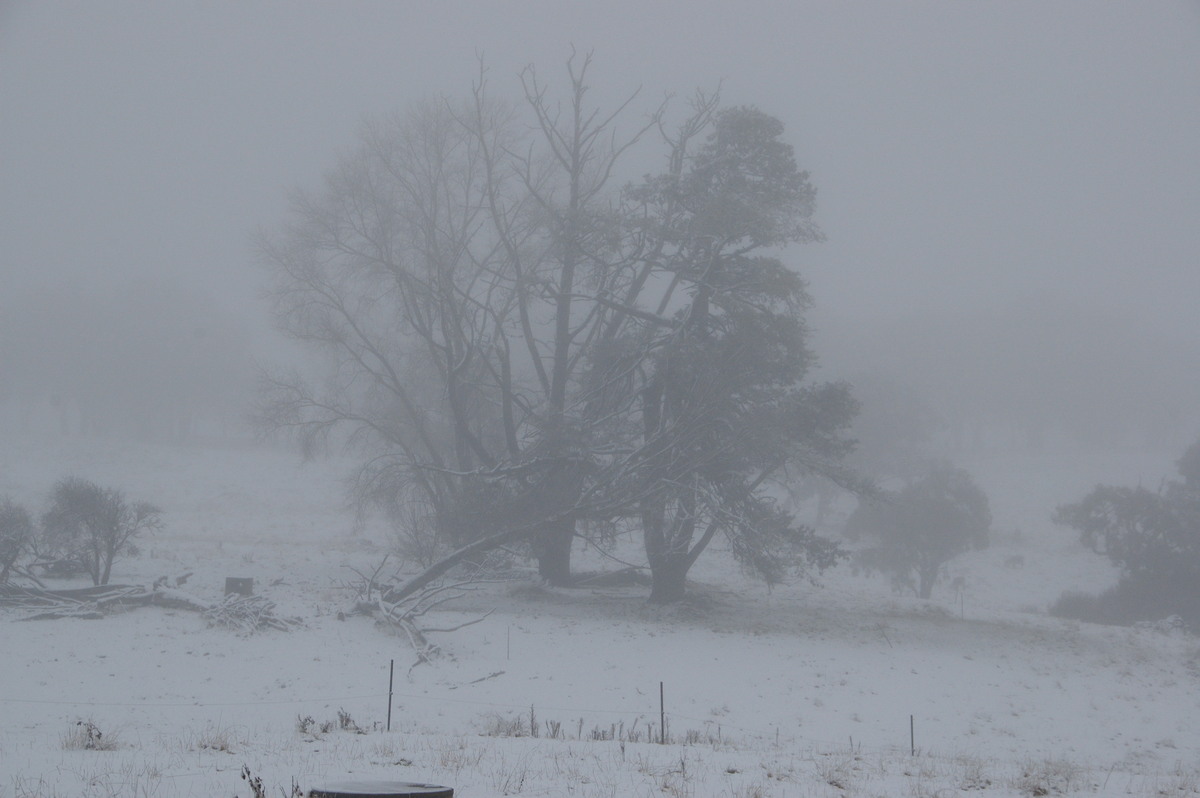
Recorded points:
805,690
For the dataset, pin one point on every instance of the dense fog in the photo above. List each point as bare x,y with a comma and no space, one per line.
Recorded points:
1008,193
792,392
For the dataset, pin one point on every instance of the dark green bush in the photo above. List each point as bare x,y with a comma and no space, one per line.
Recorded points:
1153,537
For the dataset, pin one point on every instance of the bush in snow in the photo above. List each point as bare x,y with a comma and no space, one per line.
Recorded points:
16,535
92,525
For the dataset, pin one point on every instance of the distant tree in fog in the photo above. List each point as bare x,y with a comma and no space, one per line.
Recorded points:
1188,467
92,526
916,531
16,535
1153,537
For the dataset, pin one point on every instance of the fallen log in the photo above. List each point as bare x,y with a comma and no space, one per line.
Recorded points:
24,596
243,613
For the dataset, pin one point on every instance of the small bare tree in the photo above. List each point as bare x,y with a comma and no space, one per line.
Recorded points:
16,535
93,525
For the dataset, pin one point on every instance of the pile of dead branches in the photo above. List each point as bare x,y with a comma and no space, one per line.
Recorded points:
88,602
249,614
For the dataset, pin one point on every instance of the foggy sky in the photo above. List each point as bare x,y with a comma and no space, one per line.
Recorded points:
969,157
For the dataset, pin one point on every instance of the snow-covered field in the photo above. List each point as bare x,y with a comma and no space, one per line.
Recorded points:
806,690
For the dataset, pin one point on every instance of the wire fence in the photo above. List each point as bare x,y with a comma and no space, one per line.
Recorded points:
775,732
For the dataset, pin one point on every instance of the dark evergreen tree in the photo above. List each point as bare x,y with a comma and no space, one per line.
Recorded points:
724,406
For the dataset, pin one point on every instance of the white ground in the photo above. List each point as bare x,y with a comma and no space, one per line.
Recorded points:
806,690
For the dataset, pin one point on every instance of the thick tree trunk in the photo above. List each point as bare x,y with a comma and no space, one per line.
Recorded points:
669,580
669,561
554,552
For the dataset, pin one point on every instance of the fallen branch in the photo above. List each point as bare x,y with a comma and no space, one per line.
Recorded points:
403,607
37,596
244,613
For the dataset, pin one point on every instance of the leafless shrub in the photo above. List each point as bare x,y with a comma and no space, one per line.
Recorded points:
706,736
836,770
86,736
214,739
497,725
16,535
346,723
973,774
255,782
92,525
1047,777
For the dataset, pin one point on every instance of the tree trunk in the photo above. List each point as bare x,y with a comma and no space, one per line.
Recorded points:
669,560
669,580
554,552
926,583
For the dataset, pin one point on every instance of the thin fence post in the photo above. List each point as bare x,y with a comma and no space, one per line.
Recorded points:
391,678
662,716
912,737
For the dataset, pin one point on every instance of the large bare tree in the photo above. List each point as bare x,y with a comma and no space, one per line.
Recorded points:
531,349
448,270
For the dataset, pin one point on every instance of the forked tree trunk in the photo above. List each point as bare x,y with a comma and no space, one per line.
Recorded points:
670,550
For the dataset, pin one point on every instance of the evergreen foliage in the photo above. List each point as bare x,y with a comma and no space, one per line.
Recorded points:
1153,537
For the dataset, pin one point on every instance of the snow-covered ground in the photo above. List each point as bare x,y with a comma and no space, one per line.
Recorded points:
805,690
